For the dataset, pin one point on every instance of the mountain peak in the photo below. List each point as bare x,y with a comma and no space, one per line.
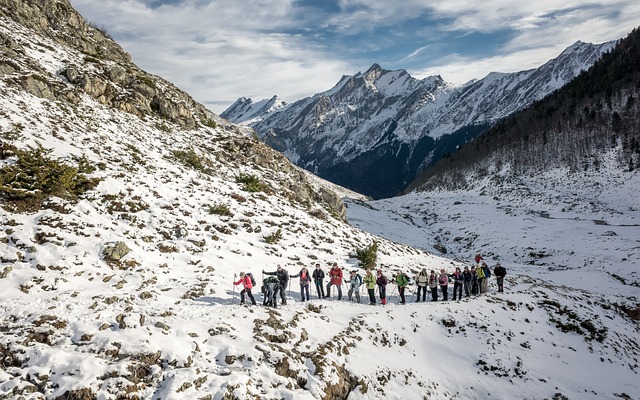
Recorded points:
374,68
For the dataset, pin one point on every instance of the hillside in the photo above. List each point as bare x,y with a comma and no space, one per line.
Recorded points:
128,210
574,128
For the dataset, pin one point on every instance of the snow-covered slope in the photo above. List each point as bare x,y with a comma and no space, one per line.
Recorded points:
374,132
127,292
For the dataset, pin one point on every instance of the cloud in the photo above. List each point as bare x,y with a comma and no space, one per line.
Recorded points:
221,50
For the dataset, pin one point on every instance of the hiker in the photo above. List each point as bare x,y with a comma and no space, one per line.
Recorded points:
478,258
480,274
433,285
466,280
283,278
270,289
356,281
381,281
500,272
402,280
487,275
443,281
474,282
318,279
335,279
422,281
305,280
370,282
246,281
457,284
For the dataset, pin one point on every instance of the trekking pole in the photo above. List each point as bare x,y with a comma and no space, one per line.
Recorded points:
393,292
234,288
413,296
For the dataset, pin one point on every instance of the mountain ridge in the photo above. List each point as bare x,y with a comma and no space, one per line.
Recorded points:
374,132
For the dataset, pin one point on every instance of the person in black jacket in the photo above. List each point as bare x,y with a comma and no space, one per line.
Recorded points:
318,279
499,271
283,278
467,278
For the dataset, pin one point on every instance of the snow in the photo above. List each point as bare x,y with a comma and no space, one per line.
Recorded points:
165,323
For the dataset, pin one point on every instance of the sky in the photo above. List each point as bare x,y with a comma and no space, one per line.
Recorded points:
219,51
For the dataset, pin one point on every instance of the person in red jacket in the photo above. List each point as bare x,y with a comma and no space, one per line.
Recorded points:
335,279
246,281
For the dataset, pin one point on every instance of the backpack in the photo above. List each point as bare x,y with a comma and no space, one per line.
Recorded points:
358,280
253,280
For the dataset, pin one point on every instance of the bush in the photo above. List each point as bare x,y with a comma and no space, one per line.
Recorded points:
26,184
250,183
274,237
367,256
220,209
189,158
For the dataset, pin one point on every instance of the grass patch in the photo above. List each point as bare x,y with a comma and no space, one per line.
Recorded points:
251,183
31,177
189,158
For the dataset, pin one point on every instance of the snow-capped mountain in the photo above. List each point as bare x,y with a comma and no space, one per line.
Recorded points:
374,132
246,110
128,211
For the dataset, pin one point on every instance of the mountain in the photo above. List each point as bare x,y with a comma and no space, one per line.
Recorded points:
246,110
129,210
374,132
579,127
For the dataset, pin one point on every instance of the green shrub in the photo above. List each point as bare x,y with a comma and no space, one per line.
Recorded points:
250,183
34,177
220,209
189,158
367,256
210,123
274,237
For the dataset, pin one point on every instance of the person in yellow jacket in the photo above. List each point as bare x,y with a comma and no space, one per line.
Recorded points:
370,282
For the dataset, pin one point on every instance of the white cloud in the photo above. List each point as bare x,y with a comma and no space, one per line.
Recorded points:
221,50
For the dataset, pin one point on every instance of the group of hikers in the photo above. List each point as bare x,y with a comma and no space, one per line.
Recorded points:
472,280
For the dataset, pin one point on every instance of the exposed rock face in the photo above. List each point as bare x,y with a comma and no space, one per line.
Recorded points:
106,72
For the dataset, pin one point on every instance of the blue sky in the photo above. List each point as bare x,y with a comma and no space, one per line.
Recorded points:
221,50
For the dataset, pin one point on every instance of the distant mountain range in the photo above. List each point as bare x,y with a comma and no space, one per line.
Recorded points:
375,132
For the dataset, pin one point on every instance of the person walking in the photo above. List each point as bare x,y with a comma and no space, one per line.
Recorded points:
474,282
305,280
487,276
270,288
457,284
335,279
466,280
381,281
443,281
370,283
480,273
422,281
500,272
355,281
402,280
283,278
318,279
433,285
248,285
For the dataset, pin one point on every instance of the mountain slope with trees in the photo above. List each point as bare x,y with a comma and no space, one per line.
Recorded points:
574,127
